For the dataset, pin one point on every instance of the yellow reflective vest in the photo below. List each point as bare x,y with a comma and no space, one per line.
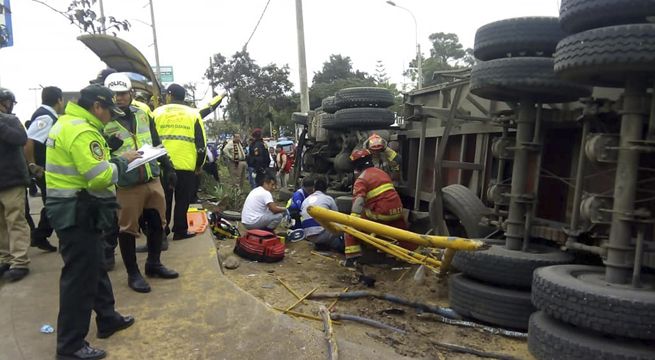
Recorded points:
134,141
176,128
77,158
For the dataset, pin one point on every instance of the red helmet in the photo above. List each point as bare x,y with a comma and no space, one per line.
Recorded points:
359,154
376,143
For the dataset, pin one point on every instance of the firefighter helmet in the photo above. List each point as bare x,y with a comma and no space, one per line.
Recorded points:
376,143
361,159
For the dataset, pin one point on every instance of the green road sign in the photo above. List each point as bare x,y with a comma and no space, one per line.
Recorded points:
165,74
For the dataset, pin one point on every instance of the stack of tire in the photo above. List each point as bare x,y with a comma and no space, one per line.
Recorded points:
581,314
515,64
358,108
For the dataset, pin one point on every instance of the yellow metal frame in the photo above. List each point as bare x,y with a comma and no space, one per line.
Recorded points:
362,230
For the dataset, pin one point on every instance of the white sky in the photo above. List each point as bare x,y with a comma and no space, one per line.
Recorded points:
46,51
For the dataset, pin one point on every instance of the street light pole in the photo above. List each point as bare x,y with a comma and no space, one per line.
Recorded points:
419,58
302,61
102,16
154,40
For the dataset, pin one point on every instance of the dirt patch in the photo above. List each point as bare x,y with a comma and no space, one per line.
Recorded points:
303,271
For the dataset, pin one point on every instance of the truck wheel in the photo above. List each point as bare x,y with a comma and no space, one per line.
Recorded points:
230,215
549,339
579,295
501,266
344,204
467,208
513,79
360,118
581,15
607,56
525,36
495,305
369,97
328,105
299,118
284,195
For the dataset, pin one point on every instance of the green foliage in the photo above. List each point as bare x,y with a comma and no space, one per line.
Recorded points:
381,77
81,14
447,53
257,93
226,197
337,73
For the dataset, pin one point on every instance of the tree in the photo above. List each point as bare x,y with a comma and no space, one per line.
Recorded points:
81,14
381,77
447,53
191,89
256,93
337,73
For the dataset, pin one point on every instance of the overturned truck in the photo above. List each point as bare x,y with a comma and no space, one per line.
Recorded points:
545,149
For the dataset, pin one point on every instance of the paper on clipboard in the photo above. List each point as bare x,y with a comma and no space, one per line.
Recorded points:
149,153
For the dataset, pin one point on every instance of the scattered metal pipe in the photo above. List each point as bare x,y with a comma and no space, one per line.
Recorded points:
366,321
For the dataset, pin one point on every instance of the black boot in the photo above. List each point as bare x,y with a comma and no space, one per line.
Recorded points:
134,278
155,239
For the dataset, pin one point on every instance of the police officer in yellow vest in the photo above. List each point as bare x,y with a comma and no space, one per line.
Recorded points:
81,202
182,132
139,192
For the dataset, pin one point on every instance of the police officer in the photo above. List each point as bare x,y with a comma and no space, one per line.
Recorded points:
182,132
81,203
139,191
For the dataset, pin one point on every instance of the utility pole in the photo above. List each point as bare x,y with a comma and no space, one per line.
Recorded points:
302,61
419,58
211,82
102,16
154,40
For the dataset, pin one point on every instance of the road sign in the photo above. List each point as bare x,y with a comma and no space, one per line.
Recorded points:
6,32
165,74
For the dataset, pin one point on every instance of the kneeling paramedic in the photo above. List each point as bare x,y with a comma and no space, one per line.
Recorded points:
81,204
139,191
374,198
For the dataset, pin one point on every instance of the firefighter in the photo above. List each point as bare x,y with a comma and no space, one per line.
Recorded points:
374,198
81,203
181,130
384,156
140,191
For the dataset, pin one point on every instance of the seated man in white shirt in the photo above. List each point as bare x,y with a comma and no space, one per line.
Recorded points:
314,232
259,210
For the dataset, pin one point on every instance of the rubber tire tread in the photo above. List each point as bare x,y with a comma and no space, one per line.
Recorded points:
230,217
466,206
508,308
580,15
512,79
299,118
328,105
606,56
344,204
524,36
360,118
500,266
617,311
549,339
369,97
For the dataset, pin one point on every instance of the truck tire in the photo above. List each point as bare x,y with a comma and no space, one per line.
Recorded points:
230,215
513,79
607,56
328,105
466,207
525,36
360,118
578,295
500,266
284,195
368,97
299,118
549,339
344,204
508,308
580,15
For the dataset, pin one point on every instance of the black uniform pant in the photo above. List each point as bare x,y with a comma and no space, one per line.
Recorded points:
183,192
43,230
83,286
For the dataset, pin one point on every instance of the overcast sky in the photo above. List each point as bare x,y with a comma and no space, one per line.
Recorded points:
46,51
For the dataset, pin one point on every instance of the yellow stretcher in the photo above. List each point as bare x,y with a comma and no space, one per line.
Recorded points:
367,231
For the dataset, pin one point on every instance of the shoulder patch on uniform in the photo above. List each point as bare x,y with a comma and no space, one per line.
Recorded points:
96,150
41,124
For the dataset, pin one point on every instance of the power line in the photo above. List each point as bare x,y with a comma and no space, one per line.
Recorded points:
257,25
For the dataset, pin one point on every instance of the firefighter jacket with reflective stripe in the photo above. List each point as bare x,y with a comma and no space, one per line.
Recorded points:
176,124
375,196
133,141
77,158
